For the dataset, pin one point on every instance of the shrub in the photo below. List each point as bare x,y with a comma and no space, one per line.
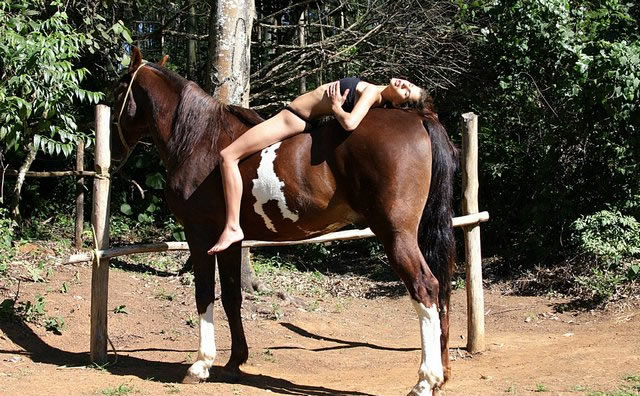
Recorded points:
608,236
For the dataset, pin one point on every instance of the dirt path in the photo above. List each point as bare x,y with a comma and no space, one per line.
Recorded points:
325,346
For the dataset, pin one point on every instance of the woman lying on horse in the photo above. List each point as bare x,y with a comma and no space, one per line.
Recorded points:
348,100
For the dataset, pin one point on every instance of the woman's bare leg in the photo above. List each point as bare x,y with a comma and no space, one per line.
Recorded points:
273,130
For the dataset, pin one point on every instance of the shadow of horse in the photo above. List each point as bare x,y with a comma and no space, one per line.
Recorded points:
345,344
39,351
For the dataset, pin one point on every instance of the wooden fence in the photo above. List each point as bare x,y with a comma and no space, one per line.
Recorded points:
470,222
79,173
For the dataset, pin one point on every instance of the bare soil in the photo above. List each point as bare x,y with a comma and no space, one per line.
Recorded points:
305,342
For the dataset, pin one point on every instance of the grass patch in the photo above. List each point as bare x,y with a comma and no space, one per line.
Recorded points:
122,389
631,387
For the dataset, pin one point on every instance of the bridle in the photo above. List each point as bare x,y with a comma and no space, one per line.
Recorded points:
124,103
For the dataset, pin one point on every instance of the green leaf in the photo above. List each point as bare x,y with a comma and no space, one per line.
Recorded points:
125,208
36,141
127,36
179,236
145,218
155,181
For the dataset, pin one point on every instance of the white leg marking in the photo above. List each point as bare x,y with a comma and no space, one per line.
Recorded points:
207,350
268,187
431,374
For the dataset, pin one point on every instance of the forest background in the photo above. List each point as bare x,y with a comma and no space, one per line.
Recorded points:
556,84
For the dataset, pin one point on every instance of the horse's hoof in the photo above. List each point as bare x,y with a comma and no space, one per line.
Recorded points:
192,379
425,392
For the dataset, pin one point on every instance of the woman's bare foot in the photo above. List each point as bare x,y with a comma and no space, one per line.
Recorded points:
229,236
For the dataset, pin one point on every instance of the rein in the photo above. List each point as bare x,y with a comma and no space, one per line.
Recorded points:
124,103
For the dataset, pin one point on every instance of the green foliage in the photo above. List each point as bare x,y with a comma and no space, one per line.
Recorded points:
122,389
55,324
6,238
557,90
601,283
630,388
608,238
121,309
607,235
35,272
27,311
176,230
38,46
34,311
265,265
192,321
6,229
541,388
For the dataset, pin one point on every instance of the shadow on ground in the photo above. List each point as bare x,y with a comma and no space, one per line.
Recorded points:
165,372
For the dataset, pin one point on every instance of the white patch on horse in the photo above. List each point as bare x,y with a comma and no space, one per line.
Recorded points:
268,187
207,350
431,373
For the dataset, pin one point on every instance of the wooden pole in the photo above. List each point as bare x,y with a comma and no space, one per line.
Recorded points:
13,172
473,255
100,223
79,194
247,243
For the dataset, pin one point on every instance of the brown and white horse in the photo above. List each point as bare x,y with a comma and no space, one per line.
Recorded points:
393,174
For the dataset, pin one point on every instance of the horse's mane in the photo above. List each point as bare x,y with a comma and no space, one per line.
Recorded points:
248,116
199,119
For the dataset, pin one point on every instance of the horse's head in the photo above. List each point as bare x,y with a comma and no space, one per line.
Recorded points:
131,110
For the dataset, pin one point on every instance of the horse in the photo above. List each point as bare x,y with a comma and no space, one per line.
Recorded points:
393,174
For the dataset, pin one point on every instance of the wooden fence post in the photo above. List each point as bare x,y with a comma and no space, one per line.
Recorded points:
100,222
79,194
473,255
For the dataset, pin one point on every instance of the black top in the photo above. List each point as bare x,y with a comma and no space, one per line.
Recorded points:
349,83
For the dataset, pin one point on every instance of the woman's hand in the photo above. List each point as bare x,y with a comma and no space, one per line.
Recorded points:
333,92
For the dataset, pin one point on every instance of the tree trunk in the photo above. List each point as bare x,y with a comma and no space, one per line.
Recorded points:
233,50
191,45
301,34
233,26
22,172
210,79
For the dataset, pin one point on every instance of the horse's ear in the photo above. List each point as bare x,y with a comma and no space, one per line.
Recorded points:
136,60
163,60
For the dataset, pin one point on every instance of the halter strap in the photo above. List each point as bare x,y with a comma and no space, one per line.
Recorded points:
124,103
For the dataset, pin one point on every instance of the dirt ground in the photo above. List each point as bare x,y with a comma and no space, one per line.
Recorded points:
306,345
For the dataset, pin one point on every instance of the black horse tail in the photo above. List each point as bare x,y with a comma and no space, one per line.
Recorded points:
435,234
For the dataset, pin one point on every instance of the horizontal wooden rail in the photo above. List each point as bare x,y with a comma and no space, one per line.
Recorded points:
13,172
178,246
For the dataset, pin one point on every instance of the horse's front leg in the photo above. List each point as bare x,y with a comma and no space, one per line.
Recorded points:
204,273
229,262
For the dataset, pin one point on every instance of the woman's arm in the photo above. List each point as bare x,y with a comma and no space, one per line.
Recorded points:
350,121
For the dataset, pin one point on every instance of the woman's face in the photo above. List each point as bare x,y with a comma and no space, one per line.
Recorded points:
403,91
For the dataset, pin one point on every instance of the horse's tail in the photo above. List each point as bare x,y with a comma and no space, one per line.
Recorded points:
435,235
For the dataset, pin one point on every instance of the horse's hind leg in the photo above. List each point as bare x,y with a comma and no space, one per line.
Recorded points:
229,269
204,276
408,262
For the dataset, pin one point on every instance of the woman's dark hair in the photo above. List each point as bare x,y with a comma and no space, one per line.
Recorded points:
424,105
